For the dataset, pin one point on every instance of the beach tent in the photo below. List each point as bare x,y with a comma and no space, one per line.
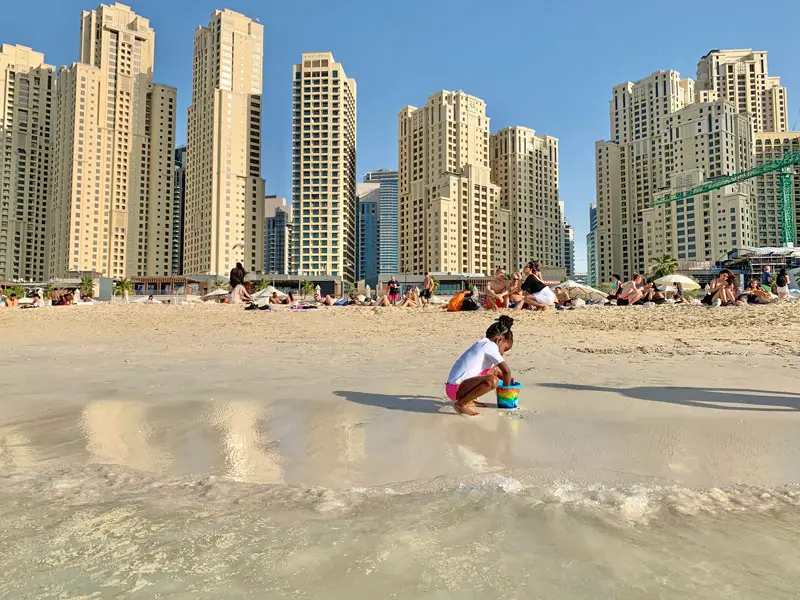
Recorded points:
216,294
687,284
581,291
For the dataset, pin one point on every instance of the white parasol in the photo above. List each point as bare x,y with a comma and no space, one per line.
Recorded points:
687,283
579,290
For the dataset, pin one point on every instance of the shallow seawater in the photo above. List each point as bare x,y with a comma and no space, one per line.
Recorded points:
103,532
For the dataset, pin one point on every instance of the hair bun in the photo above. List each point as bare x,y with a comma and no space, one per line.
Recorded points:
506,321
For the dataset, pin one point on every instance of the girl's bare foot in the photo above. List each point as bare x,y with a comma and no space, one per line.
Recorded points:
464,410
476,403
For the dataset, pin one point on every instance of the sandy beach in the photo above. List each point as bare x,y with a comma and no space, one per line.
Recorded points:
162,406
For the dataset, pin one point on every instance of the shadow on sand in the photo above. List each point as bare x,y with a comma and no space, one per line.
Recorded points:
718,398
404,402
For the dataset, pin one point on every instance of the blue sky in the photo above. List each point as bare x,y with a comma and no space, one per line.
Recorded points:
546,65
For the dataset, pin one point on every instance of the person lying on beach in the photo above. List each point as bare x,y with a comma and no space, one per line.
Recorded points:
324,300
632,292
721,291
537,295
274,299
515,296
411,300
563,299
497,291
481,368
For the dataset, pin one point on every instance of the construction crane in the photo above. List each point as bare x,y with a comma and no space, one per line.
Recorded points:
786,167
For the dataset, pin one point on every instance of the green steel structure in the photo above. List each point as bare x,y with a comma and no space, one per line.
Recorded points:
786,167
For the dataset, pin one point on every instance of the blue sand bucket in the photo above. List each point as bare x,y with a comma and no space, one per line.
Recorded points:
507,397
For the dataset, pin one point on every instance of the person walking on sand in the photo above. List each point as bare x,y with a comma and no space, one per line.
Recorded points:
481,368
497,291
427,290
394,290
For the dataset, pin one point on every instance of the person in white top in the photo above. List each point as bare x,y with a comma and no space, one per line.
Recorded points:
481,368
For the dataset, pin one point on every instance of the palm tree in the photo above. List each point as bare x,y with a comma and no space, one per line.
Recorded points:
306,287
261,284
122,286
350,288
87,286
665,265
218,283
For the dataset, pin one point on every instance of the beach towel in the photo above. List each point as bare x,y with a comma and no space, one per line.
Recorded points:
341,302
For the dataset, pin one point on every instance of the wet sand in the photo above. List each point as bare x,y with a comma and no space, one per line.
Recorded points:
349,398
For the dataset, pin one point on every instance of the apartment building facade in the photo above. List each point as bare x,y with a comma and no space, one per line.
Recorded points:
26,131
388,213
323,168
447,201
112,188
224,221
525,169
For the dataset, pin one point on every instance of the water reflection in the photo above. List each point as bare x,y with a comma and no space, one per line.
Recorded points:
118,432
225,438
248,454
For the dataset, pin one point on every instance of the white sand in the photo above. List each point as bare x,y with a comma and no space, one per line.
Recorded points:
349,397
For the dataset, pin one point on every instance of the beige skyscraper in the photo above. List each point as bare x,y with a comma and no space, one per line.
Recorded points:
224,220
449,211
323,167
111,197
525,168
666,139
706,140
742,78
26,121
630,168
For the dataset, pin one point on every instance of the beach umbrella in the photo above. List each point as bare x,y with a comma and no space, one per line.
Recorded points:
584,292
687,283
267,293
216,294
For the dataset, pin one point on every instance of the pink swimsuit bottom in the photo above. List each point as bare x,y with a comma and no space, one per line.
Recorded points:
451,389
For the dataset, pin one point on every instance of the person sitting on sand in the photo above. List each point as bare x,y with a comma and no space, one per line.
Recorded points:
411,300
11,301
616,287
324,300
515,296
722,290
481,368
632,292
678,297
537,294
754,294
274,299
497,291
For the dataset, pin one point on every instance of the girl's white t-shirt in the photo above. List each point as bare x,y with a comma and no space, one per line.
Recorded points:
483,354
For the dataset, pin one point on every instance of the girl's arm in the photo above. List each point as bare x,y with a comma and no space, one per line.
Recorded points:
505,372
